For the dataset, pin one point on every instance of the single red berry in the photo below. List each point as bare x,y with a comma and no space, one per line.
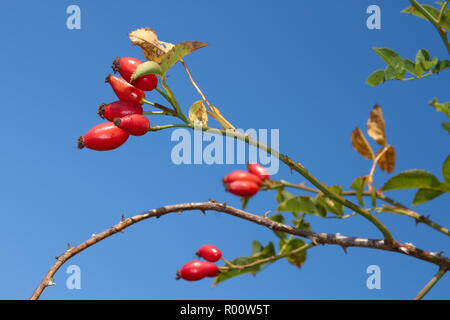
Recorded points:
240,175
197,270
209,253
259,170
126,66
124,90
242,188
102,137
135,124
118,109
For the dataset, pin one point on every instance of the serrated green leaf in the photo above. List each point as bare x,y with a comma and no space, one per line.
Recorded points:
411,179
446,126
299,204
279,218
296,259
446,170
177,52
441,107
424,195
148,67
233,273
376,78
358,185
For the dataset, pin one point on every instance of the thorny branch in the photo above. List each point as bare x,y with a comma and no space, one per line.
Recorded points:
316,238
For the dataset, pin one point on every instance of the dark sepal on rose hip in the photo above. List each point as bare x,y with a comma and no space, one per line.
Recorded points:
101,110
80,142
116,65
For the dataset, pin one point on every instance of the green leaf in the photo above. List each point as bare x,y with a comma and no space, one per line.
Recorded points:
424,195
391,57
446,170
268,251
446,126
358,185
441,65
445,20
148,67
376,78
441,107
297,259
299,204
233,273
179,51
410,66
424,62
279,218
412,179
257,248
373,196
390,73
283,195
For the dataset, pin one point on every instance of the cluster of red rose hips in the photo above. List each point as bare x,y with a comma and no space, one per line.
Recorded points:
125,115
196,269
246,183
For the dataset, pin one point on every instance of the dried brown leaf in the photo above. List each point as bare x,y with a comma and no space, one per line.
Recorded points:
198,114
376,126
154,49
387,160
361,145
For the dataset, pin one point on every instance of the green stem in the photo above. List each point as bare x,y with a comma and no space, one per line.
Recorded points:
419,77
163,94
174,102
148,102
156,113
430,284
168,126
302,170
435,22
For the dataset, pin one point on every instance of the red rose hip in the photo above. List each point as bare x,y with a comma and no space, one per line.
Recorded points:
196,270
124,90
134,124
240,175
102,137
259,170
126,67
242,188
209,253
118,109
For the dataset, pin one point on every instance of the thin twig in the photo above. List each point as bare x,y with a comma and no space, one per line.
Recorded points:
316,238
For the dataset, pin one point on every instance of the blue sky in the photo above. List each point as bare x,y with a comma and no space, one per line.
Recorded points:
299,67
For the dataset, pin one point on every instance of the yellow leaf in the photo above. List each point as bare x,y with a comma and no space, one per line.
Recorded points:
376,126
154,49
361,145
215,113
198,113
387,160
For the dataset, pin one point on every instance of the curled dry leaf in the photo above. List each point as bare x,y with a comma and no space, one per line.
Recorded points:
179,51
376,126
361,145
154,49
387,160
198,114
215,113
